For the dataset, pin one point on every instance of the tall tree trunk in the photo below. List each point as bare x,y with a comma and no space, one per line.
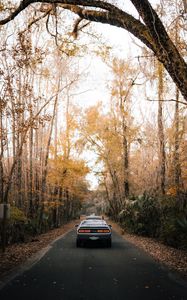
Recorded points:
31,208
126,162
117,199
36,170
125,143
30,80
66,157
177,169
56,134
12,170
44,175
19,120
111,205
1,154
162,155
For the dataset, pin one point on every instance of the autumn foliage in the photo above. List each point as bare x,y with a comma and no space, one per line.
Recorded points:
134,141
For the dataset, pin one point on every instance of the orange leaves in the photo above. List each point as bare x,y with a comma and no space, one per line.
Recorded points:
51,204
172,191
68,173
1,7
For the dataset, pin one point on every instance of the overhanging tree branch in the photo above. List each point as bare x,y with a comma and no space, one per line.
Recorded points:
110,14
34,21
166,100
116,18
150,31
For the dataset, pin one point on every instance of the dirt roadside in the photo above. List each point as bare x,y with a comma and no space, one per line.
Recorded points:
17,255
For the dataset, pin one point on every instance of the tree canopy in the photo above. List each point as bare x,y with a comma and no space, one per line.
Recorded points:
148,28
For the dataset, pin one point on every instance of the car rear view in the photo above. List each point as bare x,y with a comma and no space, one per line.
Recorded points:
94,230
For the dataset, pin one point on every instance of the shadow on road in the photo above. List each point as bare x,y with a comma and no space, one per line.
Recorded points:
95,245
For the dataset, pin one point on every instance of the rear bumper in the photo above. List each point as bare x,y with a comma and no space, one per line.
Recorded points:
93,237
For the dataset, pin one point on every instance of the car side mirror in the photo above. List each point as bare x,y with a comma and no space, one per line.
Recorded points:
110,226
76,225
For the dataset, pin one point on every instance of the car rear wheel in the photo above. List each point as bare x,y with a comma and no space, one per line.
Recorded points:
109,243
78,243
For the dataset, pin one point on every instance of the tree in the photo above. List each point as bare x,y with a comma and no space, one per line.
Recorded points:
66,171
162,154
99,134
177,167
125,76
110,135
30,94
149,29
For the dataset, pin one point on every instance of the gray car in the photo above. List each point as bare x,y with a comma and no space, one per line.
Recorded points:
94,230
94,217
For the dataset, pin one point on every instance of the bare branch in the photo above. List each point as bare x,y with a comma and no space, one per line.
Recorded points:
150,31
115,17
110,14
166,100
75,29
78,28
37,19
47,27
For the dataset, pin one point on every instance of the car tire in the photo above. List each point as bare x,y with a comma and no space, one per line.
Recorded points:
78,243
109,243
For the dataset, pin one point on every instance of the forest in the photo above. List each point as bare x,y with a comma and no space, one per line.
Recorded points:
133,141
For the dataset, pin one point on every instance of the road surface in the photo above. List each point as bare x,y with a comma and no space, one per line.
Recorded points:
123,272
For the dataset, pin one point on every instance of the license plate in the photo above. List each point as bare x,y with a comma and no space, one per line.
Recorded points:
93,238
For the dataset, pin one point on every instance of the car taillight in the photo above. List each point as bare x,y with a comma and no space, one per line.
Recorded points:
84,230
103,230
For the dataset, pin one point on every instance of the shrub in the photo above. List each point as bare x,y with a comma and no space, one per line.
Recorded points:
173,223
142,216
17,215
163,218
16,226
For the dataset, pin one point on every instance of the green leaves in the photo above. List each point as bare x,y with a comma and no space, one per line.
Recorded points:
17,215
157,218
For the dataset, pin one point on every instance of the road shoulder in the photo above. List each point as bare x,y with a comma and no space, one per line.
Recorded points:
174,259
20,257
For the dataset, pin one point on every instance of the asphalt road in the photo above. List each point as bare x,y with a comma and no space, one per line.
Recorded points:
123,272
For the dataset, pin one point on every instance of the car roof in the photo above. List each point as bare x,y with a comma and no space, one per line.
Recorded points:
93,223
93,217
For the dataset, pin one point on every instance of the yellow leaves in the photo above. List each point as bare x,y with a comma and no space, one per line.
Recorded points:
113,92
67,173
172,191
123,68
46,72
51,204
119,66
17,215
68,47
1,6
93,119
103,52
